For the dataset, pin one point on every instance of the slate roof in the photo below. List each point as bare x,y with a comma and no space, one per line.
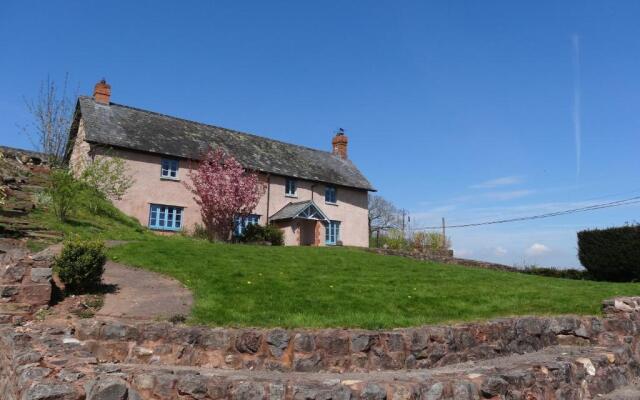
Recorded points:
127,127
293,210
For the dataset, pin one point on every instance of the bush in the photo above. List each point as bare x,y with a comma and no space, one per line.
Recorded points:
254,233
81,264
611,254
65,193
430,241
557,273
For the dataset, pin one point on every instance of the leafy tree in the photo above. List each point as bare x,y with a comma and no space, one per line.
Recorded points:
108,176
223,190
52,112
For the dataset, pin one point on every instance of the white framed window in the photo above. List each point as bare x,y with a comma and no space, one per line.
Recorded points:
169,168
290,187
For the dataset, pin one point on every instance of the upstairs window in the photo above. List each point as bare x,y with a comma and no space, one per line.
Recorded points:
169,168
290,187
166,218
330,194
240,223
332,233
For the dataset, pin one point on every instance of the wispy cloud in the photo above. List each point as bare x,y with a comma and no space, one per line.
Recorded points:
577,99
509,195
493,183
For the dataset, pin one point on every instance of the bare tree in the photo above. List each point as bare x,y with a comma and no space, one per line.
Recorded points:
52,112
383,215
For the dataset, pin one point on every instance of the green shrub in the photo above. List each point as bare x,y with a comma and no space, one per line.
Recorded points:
255,233
81,264
611,254
65,193
557,273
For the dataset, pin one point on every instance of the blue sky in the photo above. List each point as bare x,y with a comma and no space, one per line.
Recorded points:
465,110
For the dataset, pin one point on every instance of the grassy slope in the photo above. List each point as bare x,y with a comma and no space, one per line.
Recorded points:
244,285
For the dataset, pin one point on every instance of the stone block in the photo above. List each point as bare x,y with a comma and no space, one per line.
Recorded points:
9,291
12,273
109,388
41,275
46,391
249,342
15,308
37,294
278,340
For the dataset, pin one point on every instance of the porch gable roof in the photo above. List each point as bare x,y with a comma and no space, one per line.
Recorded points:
303,209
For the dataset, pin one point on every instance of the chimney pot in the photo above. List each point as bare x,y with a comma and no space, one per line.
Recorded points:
102,92
340,142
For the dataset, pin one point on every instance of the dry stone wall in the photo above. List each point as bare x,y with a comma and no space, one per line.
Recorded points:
562,358
25,285
331,350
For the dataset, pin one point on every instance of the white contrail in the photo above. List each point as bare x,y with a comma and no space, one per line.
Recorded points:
577,129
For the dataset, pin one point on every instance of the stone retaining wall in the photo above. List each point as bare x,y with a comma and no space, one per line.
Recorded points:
25,285
336,350
110,360
331,350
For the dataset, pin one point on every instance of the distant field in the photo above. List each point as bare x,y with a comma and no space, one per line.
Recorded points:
243,285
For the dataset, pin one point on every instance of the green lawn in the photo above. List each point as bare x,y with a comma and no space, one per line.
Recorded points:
243,285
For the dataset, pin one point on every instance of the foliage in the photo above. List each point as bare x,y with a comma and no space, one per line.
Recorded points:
42,199
108,176
430,241
383,215
557,273
392,239
611,254
65,192
52,113
346,287
199,232
80,265
223,190
255,233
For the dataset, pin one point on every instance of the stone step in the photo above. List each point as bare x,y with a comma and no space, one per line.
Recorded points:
565,372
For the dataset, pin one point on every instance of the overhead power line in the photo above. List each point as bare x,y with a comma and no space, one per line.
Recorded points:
617,203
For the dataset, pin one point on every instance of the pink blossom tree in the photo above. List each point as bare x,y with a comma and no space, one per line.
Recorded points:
223,189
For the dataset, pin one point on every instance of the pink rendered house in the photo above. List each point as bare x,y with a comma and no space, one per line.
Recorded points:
316,197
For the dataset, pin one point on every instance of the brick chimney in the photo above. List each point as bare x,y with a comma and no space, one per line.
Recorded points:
102,92
339,143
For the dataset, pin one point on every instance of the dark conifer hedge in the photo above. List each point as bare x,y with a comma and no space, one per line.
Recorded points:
611,254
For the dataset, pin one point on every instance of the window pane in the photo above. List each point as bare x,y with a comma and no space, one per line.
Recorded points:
162,216
170,216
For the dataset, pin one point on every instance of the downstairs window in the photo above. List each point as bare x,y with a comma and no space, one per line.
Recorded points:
166,218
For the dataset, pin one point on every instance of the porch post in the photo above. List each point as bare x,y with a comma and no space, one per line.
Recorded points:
317,234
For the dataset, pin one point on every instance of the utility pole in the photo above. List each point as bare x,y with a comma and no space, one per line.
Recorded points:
444,237
404,234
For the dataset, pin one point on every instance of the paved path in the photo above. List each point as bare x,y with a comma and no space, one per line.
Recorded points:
139,294
143,294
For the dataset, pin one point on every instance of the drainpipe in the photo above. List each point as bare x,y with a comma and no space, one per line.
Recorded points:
268,195
312,191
